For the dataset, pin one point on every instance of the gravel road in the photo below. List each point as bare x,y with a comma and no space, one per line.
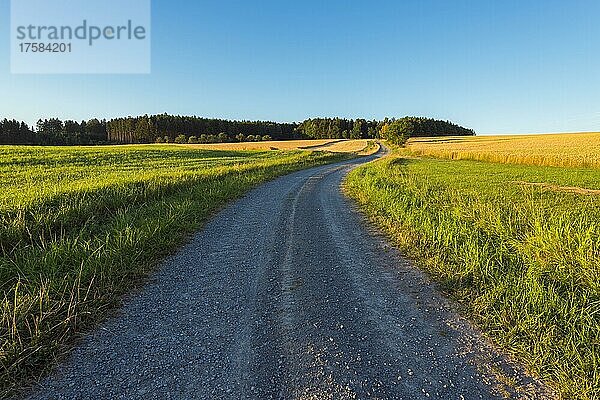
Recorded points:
288,293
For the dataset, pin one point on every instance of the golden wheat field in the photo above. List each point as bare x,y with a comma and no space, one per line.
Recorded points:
332,145
564,149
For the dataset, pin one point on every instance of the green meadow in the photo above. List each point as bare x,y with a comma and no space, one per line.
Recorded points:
516,246
81,226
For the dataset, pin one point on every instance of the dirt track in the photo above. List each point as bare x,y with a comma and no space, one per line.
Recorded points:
289,294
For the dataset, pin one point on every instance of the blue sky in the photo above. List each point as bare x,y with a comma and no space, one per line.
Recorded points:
495,66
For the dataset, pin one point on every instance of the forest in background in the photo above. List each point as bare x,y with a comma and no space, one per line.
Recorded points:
172,128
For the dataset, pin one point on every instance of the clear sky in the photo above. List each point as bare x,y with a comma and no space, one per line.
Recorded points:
495,66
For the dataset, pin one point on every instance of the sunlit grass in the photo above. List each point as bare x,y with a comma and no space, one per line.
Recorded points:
522,260
81,226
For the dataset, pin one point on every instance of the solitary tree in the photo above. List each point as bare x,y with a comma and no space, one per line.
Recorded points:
398,131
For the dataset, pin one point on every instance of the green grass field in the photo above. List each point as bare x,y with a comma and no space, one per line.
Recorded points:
519,252
82,226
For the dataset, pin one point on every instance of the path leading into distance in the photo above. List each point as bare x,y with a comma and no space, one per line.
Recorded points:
288,293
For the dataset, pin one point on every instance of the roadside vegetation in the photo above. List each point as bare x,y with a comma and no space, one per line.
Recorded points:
517,246
82,226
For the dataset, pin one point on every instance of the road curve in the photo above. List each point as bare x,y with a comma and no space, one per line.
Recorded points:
287,294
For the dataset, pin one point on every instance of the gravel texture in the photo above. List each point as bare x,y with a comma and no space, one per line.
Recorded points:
288,293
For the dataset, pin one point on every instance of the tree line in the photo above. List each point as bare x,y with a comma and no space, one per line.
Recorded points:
339,128
395,130
54,132
164,128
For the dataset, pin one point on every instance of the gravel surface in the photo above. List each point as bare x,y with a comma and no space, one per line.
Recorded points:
287,293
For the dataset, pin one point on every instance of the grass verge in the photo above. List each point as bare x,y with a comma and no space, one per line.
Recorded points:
83,226
522,261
